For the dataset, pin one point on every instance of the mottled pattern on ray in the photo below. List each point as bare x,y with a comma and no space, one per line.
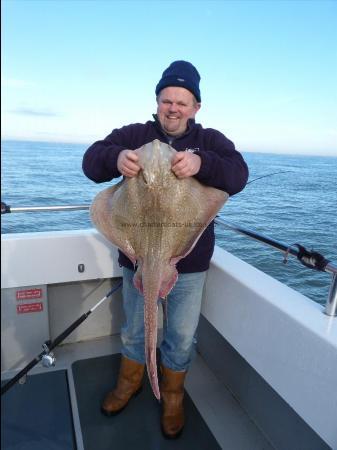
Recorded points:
155,219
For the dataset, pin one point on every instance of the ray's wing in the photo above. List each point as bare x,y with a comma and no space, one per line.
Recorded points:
199,206
111,217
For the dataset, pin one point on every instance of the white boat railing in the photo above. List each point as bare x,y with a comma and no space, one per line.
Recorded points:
309,259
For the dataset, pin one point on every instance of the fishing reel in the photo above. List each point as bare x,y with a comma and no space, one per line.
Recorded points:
311,259
48,359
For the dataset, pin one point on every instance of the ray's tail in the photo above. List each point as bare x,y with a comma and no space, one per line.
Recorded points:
151,282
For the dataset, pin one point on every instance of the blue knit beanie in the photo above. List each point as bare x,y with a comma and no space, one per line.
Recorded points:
182,74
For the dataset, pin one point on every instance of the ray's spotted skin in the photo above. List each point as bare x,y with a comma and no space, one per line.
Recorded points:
156,219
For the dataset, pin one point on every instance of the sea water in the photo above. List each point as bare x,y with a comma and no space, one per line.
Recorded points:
295,205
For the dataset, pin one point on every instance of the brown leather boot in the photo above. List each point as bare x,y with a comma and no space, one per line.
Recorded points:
172,394
129,384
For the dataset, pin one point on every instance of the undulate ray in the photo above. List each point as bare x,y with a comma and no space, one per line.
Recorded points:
155,219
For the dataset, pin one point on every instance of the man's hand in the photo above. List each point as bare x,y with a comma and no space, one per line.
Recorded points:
127,163
186,164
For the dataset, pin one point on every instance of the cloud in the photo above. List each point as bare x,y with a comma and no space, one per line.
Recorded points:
34,112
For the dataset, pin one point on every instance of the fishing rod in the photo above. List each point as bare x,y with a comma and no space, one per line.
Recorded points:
309,258
47,357
268,175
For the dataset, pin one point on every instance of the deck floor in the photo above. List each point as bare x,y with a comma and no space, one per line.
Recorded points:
230,426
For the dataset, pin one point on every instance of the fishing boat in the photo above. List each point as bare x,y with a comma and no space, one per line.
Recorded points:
264,375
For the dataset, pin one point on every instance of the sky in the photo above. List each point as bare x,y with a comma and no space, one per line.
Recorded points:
73,70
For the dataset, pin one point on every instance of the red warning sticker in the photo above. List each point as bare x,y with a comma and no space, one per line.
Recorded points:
28,294
29,308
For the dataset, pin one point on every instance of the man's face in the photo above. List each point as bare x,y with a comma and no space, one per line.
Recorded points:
175,106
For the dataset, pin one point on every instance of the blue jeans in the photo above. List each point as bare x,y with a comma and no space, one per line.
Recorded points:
179,328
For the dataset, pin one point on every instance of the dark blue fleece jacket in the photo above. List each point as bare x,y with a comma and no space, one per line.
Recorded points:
222,167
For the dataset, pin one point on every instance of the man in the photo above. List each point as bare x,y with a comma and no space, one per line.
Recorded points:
212,159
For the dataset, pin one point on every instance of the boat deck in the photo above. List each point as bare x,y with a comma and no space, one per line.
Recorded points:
214,418
264,376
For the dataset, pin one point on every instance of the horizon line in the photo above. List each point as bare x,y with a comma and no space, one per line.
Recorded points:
325,153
